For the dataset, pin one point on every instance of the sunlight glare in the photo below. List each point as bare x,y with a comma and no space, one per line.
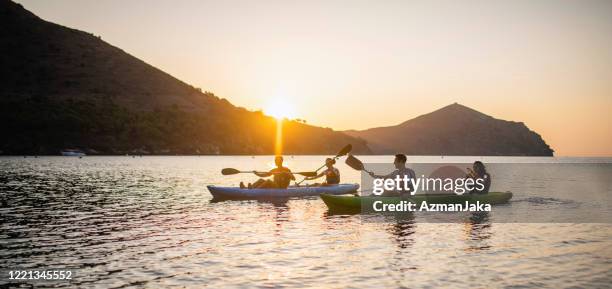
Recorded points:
280,109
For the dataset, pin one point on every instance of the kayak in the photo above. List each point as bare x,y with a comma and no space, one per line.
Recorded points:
356,203
238,193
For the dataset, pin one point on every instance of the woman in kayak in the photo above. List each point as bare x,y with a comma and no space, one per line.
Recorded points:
281,177
478,171
332,174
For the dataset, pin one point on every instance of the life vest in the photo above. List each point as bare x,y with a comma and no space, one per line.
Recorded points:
283,179
332,176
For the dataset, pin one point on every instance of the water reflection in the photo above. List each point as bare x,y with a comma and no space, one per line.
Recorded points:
276,202
280,216
403,231
478,231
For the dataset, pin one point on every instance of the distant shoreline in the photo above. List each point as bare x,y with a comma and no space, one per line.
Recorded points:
302,155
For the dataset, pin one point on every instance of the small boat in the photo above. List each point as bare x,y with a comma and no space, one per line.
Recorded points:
292,191
72,153
356,203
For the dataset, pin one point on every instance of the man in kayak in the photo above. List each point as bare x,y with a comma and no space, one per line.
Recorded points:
332,174
281,177
478,171
400,170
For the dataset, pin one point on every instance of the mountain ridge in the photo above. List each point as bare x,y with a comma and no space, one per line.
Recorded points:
455,130
65,88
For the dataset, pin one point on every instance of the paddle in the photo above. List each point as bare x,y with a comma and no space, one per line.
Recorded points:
355,163
345,150
231,171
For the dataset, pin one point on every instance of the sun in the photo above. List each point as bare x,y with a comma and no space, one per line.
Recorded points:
280,109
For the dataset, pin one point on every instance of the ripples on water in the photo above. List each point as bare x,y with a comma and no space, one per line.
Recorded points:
121,221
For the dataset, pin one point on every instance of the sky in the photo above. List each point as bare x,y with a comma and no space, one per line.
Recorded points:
360,64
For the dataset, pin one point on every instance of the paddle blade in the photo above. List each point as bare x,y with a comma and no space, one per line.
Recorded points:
345,150
354,163
229,171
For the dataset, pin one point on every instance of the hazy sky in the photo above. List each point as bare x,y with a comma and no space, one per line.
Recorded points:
361,64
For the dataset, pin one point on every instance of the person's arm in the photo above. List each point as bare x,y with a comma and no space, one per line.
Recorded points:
471,174
292,176
317,176
387,176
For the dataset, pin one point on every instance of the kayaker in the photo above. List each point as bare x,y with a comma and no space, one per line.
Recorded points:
281,177
400,170
478,171
332,174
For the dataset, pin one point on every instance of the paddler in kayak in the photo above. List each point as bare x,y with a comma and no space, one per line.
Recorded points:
400,170
478,171
281,177
332,174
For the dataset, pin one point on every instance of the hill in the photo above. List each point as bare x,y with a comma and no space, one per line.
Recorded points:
456,130
65,88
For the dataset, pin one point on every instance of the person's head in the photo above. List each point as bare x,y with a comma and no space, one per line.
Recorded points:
329,162
278,160
479,168
400,161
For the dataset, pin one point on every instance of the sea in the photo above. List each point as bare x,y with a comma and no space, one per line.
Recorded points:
150,222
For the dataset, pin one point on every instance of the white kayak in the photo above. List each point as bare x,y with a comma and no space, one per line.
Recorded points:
238,193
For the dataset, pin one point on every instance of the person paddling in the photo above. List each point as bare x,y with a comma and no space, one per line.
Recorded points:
281,177
479,171
400,170
332,174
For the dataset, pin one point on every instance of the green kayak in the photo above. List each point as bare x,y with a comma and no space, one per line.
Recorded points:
356,203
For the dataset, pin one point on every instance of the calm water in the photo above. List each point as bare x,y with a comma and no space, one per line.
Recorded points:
149,222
